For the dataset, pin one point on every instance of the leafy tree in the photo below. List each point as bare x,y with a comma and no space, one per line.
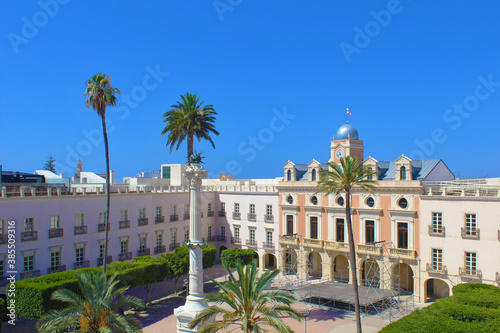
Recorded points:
230,257
50,164
251,307
189,118
95,310
209,256
345,177
102,94
178,262
157,272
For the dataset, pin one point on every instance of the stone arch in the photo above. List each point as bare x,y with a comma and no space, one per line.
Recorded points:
270,261
434,289
370,273
402,278
314,264
256,258
340,268
222,248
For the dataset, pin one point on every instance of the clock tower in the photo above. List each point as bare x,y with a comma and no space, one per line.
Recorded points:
346,143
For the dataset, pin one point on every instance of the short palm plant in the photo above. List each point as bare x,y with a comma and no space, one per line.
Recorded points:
246,305
95,310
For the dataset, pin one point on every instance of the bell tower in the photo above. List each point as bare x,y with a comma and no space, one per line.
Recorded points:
346,143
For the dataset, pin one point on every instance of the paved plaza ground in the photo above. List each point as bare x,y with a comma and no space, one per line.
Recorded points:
159,316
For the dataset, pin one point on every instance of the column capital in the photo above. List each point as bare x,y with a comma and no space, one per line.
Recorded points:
194,174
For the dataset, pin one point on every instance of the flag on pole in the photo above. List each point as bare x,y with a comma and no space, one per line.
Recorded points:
349,112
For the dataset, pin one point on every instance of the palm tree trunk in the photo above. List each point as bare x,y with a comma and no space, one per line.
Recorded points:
106,226
190,144
352,259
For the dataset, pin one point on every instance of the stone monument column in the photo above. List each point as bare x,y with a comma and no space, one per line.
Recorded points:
195,300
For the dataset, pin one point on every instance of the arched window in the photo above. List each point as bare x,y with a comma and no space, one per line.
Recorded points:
313,174
402,173
289,175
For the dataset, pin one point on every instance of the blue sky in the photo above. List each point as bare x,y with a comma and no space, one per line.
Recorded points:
421,78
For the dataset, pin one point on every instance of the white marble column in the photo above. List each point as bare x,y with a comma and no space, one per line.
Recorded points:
195,300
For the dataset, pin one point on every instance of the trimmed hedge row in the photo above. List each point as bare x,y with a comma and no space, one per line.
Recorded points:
472,308
229,257
2,312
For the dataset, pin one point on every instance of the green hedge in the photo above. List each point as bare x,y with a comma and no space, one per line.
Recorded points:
2,312
229,257
209,256
472,308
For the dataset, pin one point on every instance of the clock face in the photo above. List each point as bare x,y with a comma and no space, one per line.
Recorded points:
340,153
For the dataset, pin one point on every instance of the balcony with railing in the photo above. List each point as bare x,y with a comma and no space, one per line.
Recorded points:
252,217
436,269
236,216
336,246
221,238
56,269
289,240
174,218
173,246
125,224
160,249
125,256
470,233
3,238
30,274
313,243
402,253
469,273
368,249
186,216
100,261
435,230
81,229
81,264
102,226
143,221
56,232
211,214
267,245
222,213
29,236
143,252
252,243
235,240
268,218
159,219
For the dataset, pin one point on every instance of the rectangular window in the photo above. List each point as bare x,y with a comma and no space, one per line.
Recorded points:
29,263
369,232
186,209
222,206
2,226
252,235
165,172
314,227
437,259
209,207
339,227
55,259
124,246
269,209
470,263
142,242
470,224
142,213
209,231
252,209
237,232
102,217
101,250
186,236
159,240
158,211
174,237
236,207
437,222
402,235
28,224
124,215
289,224
269,237
80,255
223,231
2,267
80,219
55,221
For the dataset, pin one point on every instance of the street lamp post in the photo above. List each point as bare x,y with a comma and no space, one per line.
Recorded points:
306,314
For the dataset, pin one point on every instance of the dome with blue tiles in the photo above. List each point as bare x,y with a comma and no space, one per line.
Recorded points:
346,131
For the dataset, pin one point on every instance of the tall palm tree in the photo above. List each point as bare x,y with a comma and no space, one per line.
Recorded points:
189,118
95,310
345,177
248,306
102,94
